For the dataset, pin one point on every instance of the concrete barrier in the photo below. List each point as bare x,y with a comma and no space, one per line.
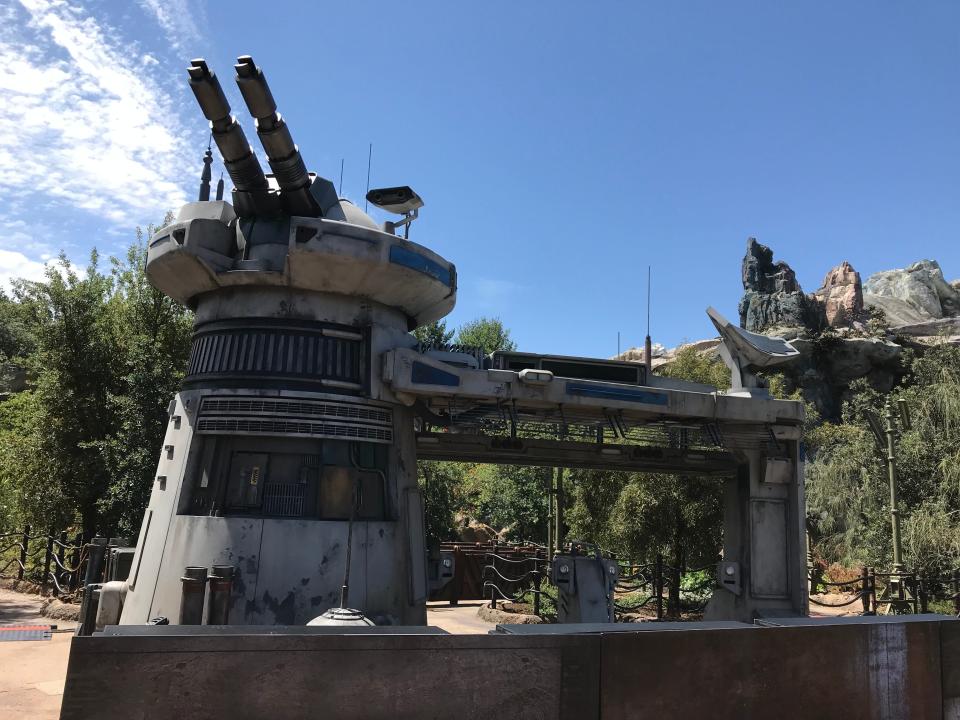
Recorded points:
883,668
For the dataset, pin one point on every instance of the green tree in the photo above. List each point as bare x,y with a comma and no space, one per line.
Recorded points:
153,337
847,489
64,475
511,498
105,352
16,337
434,334
694,366
442,486
488,334
642,515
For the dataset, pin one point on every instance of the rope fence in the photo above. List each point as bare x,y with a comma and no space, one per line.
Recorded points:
672,591
51,560
893,592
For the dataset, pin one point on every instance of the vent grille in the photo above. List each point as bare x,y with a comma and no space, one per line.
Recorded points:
227,425
321,355
295,408
283,499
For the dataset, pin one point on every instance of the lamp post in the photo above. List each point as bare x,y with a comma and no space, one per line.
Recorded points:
890,432
896,596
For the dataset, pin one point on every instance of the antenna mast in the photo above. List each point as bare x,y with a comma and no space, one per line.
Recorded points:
206,174
369,159
647,345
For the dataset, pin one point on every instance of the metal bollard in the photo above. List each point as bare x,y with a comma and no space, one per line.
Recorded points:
97,550
865,590
88,610
221,586
194,587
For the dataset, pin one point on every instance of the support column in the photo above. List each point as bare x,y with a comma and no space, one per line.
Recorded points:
763,571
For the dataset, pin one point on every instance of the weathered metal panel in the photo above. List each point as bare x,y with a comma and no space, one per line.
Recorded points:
768,548
205,542
950,671
286,677
881,671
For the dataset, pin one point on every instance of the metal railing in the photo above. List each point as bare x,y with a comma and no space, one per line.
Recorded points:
891,592
658,579
673,591
61,569
512,579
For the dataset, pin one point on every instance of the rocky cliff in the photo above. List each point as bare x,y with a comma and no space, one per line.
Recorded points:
841,297
772,297
846,329
916,300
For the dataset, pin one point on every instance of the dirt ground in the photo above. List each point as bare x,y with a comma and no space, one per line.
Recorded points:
31,672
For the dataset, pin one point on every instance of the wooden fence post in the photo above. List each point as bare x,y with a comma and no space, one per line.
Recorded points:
658,586
865,590
61,553
75,562
23,551
956,592
48,558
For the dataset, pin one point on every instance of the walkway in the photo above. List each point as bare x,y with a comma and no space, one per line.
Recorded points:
31,672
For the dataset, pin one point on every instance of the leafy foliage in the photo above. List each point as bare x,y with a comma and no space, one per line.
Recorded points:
848,496
434,334
639,516
104,351
489,334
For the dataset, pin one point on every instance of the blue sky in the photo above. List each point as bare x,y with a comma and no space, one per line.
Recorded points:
560,147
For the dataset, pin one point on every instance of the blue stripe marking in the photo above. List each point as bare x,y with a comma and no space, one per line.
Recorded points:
400,255
610,393
423,374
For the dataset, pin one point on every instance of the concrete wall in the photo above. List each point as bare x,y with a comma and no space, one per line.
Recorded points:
884,668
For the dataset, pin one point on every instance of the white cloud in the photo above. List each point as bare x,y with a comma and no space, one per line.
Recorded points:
17,265
177,19
82,124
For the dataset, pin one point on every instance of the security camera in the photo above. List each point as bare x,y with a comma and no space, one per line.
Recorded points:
401,200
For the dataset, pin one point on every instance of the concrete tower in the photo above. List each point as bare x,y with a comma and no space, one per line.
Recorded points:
286,457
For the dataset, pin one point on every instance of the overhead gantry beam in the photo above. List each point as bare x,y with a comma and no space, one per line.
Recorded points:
580,455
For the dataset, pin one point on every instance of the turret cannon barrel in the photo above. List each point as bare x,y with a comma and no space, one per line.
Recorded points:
285,159
282,153
238,157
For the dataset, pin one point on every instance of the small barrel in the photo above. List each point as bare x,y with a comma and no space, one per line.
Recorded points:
221,587
193,590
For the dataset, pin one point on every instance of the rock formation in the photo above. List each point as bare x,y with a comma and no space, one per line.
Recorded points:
830,328
772,296
841,296
916,294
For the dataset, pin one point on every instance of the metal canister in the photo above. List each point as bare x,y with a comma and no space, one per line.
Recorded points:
221,586
194,586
